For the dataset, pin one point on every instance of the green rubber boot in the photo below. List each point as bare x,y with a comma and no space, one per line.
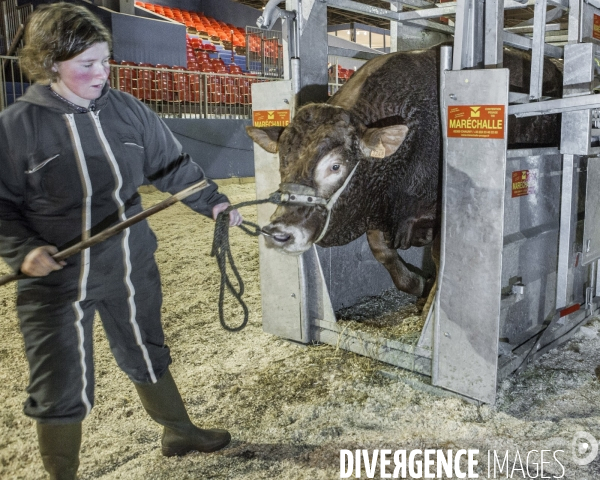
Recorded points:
59,447
163,403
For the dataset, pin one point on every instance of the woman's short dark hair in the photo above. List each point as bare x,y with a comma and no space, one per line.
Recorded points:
56,33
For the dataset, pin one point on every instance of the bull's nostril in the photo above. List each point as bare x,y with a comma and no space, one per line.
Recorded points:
282,238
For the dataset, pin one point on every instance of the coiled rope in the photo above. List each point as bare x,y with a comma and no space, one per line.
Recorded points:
222,251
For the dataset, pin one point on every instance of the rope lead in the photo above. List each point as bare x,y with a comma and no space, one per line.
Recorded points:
222,251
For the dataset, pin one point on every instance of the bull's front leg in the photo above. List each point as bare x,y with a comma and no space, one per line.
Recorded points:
435,255
403,277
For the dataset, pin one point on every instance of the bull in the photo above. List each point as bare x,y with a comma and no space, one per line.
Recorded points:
369,161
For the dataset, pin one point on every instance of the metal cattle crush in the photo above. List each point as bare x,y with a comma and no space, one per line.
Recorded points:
520,228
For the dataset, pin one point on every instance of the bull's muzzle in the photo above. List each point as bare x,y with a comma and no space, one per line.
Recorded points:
275,235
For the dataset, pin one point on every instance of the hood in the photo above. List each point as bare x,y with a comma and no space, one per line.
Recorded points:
40,94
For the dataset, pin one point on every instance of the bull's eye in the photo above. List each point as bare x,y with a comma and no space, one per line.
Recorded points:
335,167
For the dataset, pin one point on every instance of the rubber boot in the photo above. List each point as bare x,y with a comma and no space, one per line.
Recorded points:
59,447
163,403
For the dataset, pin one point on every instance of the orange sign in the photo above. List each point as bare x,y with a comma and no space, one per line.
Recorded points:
476,121
524,182
596,31
271,118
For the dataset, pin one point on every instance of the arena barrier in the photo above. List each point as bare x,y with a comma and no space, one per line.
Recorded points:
171,92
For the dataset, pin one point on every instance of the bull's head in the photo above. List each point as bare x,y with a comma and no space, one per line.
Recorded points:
319,152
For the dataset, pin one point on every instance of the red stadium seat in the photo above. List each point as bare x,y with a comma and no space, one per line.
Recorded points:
164,83
181,85
128,78
231,90
147,82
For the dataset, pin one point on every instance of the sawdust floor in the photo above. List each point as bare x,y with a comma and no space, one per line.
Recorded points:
290,409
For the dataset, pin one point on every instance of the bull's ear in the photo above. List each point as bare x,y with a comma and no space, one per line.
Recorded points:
266,137
382,142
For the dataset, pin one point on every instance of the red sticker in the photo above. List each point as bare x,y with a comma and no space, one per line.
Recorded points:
524,182
271,118
476,121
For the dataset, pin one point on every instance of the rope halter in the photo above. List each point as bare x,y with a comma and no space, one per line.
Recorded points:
303,195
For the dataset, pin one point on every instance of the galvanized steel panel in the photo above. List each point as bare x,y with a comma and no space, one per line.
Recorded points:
351,271
529,259
466,334
591,230
279,274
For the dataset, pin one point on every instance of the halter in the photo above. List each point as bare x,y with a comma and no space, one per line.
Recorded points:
298,194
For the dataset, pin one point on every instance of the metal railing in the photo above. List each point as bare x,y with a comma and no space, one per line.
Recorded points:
11,18
180,93
12,82
264,52
171,93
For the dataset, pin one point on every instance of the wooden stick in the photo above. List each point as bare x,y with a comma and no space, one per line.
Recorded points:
110,231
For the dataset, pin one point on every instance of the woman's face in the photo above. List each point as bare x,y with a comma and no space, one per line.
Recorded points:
81,79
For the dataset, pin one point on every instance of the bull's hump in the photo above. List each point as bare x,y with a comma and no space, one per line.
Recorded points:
391,85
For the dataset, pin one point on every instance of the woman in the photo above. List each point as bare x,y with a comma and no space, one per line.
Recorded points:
74,154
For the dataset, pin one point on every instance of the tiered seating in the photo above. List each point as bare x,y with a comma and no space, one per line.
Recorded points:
183,85
213,47
223,40
197,23
198,58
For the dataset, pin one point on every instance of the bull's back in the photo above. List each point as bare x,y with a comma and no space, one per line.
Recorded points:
402,88
393,88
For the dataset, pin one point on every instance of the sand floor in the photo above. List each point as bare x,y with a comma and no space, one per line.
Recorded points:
289,408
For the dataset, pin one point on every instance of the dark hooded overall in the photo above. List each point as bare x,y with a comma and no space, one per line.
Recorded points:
67,173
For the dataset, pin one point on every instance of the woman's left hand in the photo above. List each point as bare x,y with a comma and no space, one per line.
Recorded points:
235,217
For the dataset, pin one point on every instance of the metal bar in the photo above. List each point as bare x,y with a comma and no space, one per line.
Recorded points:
494,33
566,232
532,152
2,89
262,56
560,336
560,5
424,13
537,50
574,21
597,292
365,9
461,34
372,347
524,43
592,276
383,13
508,4
529,28
570,104
445,65
477,43
468,47
205,94
432,26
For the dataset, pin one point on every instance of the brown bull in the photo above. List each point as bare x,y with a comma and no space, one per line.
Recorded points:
369,161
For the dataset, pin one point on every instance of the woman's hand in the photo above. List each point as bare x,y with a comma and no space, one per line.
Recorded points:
39,262
235,217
